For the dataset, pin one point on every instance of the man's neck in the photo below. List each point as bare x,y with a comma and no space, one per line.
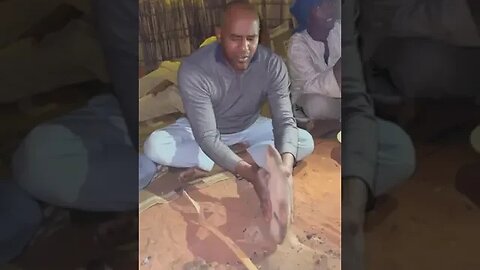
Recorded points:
317,35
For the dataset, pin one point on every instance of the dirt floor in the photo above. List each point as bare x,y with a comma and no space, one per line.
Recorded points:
427,223
169,237
424,224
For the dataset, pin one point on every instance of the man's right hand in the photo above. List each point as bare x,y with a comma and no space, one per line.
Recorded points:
250,173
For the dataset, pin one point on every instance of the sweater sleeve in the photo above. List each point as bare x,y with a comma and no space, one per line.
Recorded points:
284,125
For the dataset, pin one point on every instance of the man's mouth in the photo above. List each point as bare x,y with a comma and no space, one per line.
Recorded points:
330,23
243,59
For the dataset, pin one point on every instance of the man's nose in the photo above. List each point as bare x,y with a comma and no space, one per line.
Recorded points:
244,45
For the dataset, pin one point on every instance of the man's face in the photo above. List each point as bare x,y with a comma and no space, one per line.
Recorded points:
239,38
325,15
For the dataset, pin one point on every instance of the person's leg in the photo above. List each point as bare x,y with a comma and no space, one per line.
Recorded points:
396,158
395,164
175,146
21,216
146,171
318,107
475,139
260,135
83,160
355,196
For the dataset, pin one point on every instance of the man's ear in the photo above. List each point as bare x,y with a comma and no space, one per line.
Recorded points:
218,33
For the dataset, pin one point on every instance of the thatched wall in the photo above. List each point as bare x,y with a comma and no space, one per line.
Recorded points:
171,29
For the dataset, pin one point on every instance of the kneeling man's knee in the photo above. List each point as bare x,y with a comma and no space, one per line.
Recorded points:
51,164
306,144
160,147
399,151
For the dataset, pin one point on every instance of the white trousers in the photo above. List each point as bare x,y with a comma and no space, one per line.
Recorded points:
81,160
175,145
319,107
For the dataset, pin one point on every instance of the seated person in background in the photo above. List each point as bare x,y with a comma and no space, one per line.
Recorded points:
85,159
223,87
431,49
377,155
314,58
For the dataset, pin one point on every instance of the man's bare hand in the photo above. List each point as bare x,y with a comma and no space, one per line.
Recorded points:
260,182
250,173
246,170
261,188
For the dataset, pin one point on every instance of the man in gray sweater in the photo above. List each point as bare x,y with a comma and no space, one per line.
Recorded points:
223,87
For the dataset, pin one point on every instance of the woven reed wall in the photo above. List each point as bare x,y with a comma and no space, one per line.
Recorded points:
171,29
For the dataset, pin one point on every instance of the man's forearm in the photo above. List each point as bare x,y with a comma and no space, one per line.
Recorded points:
288,161
220,153
246,171
285,129
359,125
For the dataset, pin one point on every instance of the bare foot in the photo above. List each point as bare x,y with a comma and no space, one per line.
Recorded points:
280,194
191,174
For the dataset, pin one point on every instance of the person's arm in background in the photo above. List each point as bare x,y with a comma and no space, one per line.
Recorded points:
305,77
117,28
359,143
359,129
285,129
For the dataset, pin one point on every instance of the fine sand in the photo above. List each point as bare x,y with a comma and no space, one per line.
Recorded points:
171,238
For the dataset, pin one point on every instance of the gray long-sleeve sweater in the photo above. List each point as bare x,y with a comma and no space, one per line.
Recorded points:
219,100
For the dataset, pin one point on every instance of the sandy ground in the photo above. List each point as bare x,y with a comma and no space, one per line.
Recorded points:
170,238
427,223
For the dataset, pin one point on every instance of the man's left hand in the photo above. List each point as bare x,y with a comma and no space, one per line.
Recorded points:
287,170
